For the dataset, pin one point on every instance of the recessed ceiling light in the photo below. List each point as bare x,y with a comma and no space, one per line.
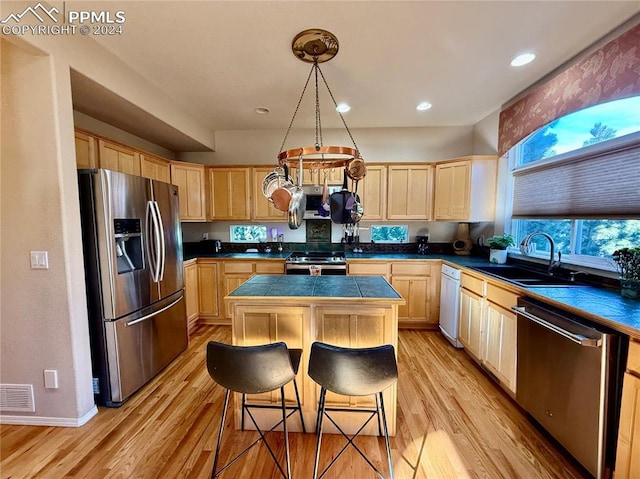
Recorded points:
425,105
523,59
343,108
261,110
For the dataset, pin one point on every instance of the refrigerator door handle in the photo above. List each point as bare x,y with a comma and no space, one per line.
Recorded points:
155,313
153,241
160,232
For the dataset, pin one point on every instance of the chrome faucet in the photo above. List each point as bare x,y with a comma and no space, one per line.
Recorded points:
524,249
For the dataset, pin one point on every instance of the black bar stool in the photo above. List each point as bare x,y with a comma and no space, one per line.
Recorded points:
254,370
353,372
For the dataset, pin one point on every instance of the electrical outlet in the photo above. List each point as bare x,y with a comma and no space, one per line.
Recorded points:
51,379
205,236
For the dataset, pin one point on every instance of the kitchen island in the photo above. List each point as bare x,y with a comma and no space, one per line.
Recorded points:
350,311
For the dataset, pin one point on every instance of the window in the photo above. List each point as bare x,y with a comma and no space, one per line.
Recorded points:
248,234
575,179
390,234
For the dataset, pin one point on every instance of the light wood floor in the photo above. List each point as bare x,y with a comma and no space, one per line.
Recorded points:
453,422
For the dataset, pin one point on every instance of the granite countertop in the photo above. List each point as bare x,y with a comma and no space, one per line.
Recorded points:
330,287
603,305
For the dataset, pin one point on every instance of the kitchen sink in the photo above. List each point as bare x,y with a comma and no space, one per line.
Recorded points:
526,277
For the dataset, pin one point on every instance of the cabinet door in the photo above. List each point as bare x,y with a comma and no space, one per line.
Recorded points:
409,190
155,168
452,191
234,273
261,208
373,193
253,325
119,158
628,453
415,291
208,303
369,268
191,296
470,329
189,178
500,343
363,328
229,193
85,151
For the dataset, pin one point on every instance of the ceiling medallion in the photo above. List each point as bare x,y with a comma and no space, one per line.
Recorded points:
317,46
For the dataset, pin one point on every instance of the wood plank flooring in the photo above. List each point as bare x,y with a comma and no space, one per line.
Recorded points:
453,422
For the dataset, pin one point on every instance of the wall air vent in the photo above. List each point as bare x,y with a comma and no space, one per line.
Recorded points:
17,398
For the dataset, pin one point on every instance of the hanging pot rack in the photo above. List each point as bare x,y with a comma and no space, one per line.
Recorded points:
318,46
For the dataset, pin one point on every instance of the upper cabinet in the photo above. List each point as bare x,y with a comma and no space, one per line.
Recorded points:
229,193
261,208
85,151
409,192
189,178
465,189
116,157
155,168
372,191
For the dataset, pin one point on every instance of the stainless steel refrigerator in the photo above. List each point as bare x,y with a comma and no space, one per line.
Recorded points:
132,245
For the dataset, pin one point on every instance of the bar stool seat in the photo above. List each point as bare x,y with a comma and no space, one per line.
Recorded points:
353,372
254,370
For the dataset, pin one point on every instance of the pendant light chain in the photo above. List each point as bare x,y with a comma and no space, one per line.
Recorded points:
336,105
318,118
286,135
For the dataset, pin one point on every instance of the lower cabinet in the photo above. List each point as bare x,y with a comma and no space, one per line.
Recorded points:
471,322
417,281
488,328
191,292
208,297
628,453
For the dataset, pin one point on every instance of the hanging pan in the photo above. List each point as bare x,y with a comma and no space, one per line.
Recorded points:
298,202
338,201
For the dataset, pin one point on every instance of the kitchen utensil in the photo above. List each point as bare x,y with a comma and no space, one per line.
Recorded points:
325,208
338,201
356,209
297,203
281,196
356,169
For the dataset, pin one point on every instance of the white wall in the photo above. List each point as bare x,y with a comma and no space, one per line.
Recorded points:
43,311
428,144
485,135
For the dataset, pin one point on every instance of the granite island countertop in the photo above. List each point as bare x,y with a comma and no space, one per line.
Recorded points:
329,287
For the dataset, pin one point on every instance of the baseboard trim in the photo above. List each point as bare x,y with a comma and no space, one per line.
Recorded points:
48,421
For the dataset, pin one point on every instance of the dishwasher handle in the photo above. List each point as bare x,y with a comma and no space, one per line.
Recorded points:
576,338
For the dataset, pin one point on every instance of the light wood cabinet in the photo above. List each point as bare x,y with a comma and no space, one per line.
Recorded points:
373,193
471,322
229,193
261,208
254,326
465,189
410,192
488,327
189,178
628,452
235,272
155,168
191,294
116,157
208,297
369,268
85,151
418,282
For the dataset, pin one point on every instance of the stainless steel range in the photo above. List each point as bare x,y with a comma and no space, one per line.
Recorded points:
316,263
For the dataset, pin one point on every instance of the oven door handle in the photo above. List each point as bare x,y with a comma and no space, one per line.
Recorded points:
576,338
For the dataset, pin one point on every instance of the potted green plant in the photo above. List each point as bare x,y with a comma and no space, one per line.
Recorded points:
627,262
498,247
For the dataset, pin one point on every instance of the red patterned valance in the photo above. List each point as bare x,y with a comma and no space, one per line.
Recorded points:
610,73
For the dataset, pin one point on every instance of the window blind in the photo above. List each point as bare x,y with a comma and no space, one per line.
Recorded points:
597,183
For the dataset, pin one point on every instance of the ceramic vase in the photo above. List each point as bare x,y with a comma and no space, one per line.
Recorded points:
498,256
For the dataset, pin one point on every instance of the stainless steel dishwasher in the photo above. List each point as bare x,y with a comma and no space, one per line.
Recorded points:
569,378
